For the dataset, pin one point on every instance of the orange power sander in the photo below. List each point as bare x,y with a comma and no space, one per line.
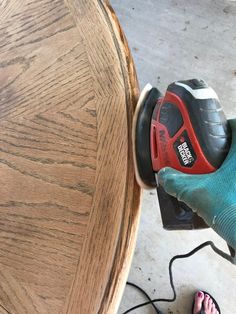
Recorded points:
187,130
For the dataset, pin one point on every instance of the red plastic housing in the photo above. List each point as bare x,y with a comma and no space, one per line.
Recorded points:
163,152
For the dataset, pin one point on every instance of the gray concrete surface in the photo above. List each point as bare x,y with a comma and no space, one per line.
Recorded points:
172,40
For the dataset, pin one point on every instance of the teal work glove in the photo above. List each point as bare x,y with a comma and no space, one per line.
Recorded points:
212,196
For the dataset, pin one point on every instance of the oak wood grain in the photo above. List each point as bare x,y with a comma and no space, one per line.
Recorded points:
69,203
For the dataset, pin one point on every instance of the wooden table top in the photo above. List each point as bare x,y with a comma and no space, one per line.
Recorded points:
69,203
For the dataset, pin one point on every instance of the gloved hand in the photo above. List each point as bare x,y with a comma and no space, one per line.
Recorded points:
212,196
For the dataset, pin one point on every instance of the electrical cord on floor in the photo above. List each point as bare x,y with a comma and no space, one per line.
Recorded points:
146,295
152,302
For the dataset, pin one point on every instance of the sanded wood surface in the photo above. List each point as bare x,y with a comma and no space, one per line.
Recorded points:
69,203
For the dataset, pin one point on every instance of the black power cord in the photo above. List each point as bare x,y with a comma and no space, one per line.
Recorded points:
146,295
150,301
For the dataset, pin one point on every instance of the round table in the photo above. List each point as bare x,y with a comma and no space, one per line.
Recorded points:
69,202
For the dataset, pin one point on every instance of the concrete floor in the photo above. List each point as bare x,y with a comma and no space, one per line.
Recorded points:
172,40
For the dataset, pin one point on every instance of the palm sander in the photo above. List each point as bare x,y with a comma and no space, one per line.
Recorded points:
185,129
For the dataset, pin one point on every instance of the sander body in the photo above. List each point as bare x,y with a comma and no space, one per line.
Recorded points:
185,129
